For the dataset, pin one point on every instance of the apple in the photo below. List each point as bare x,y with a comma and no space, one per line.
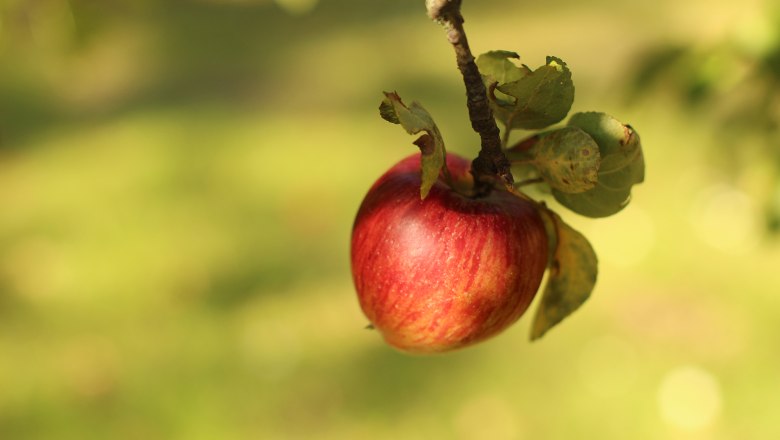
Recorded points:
448,271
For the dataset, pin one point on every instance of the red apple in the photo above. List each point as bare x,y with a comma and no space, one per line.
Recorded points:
448,271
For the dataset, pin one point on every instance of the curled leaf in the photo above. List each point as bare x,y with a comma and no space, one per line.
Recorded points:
415,119
530,99
387,111
573,273
622,166
568,159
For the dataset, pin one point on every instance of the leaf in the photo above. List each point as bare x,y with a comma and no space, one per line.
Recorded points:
387,111
622,166
495,67
536,98
415,119
573,274
568,159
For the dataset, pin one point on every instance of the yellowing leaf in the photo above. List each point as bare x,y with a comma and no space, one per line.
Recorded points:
622,166
415,119
573,272
568,159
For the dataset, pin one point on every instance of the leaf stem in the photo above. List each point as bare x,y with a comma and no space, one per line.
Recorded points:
527,182
491,161
505,138
524,144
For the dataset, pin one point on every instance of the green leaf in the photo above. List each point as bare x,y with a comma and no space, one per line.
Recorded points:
573,273
495,67
415,119
622,166
534,99
568,159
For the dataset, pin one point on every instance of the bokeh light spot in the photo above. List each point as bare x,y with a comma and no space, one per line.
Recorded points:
724,218
689,398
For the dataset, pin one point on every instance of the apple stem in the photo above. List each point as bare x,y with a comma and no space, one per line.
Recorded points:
491,161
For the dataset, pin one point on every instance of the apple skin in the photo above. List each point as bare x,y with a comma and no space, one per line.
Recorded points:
448,271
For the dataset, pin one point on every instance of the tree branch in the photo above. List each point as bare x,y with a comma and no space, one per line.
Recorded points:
491,161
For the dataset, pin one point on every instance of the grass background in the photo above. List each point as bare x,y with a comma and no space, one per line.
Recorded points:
177,186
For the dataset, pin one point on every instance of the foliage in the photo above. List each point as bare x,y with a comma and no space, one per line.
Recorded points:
415,119
566,289
568,159
532,99
621,166
590,165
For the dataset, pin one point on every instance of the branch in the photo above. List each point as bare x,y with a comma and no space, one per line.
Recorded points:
491,161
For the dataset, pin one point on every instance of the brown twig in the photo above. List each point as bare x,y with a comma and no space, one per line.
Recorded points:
491,163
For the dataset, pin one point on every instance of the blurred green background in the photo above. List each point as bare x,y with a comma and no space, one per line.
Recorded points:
177,186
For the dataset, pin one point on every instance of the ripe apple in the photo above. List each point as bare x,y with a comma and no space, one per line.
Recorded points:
448,271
